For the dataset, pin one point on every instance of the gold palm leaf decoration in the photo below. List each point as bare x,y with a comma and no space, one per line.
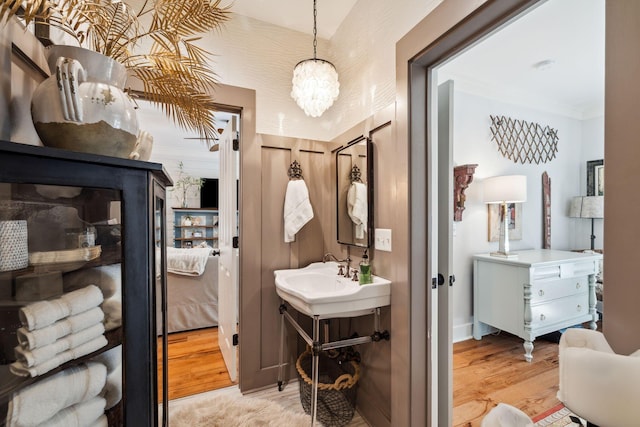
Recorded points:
174,71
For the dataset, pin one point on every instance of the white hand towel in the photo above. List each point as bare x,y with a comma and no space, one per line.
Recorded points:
188,262
107,277
297,208
40,401
112,391
81,414
41,355
30,340
357,207
44,313
18,368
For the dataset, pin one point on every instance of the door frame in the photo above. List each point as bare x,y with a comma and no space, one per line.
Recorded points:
451,28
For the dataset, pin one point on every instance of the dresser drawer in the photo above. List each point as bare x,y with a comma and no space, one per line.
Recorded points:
559,310
553,289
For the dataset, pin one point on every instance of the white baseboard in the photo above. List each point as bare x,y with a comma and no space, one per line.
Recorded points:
462,332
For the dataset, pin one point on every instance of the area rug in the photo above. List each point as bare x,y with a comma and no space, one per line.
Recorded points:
558,416
226,411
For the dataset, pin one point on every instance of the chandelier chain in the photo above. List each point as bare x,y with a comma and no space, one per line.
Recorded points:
315,30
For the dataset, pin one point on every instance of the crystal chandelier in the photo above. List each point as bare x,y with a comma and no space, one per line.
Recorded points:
315,81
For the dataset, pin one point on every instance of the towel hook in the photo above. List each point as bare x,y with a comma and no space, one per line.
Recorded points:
356,174
295,171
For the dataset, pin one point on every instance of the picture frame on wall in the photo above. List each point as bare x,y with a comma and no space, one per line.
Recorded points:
595,177
515,221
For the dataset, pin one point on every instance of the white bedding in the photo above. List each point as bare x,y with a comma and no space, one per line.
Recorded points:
189,262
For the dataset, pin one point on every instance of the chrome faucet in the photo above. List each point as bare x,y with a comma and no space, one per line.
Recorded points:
331,257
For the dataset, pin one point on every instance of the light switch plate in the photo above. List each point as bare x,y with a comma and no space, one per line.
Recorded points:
383,239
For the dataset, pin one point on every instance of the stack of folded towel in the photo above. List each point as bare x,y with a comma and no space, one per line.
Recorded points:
67,399
109,279
59,330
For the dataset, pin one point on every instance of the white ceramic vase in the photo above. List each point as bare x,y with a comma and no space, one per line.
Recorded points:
82,105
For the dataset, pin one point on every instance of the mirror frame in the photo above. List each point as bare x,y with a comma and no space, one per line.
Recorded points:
370,191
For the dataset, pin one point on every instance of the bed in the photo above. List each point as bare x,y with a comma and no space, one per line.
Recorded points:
192,298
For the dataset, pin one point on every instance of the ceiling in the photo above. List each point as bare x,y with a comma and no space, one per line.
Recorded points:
568,32
552,58
297,14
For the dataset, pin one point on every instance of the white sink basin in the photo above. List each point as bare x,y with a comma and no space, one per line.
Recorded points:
317,290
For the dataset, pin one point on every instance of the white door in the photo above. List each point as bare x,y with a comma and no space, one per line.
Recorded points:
228,262
445,253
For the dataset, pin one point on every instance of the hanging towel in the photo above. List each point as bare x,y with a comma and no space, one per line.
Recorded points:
40,401
81,414
43,354
297,209
30,340
357,207
44,313
18,368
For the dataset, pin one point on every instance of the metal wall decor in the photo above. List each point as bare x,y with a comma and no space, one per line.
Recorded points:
523,141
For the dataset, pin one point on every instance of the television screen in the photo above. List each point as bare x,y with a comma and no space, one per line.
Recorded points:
209,194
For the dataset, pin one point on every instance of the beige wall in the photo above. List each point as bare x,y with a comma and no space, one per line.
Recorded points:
621,317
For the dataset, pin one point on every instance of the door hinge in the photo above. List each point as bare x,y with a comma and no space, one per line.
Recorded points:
235,339
236,242
452,279
437,281
236,145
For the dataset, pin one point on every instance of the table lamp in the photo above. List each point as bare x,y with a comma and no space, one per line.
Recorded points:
590,207
503,190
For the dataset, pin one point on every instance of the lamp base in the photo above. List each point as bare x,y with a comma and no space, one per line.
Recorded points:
507,255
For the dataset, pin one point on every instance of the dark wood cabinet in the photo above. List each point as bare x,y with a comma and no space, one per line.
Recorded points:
76,213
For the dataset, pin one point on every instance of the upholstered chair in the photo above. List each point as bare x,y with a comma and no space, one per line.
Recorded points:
596,383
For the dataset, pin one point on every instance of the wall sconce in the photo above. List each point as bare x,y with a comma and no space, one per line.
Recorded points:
590,207
462,177
503,190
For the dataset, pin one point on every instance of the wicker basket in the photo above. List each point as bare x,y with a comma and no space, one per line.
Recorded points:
14,253
337,388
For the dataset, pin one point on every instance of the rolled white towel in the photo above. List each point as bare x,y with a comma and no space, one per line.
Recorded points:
44,313
112,359
40,401
107,277
18,368
30,340
81,414
41,355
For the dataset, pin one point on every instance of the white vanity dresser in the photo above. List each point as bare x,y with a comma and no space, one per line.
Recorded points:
539,292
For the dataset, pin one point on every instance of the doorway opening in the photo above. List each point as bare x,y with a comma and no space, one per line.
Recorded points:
478,148
194,229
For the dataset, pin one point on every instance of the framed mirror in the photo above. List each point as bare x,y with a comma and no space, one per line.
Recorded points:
354,192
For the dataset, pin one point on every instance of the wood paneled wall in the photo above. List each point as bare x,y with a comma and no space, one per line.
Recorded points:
260,322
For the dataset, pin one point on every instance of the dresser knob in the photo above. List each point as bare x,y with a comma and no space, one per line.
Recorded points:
542,317
579,307
541,292
578,285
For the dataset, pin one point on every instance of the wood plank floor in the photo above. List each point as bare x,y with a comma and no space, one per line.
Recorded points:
195,363
493,370
486,372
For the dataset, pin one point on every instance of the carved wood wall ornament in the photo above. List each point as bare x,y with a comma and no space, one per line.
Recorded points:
546,211
523,141
462,177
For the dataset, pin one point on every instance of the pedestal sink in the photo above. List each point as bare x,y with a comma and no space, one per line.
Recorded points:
318,290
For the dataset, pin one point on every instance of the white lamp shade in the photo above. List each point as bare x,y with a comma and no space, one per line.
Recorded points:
505,189
587,207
